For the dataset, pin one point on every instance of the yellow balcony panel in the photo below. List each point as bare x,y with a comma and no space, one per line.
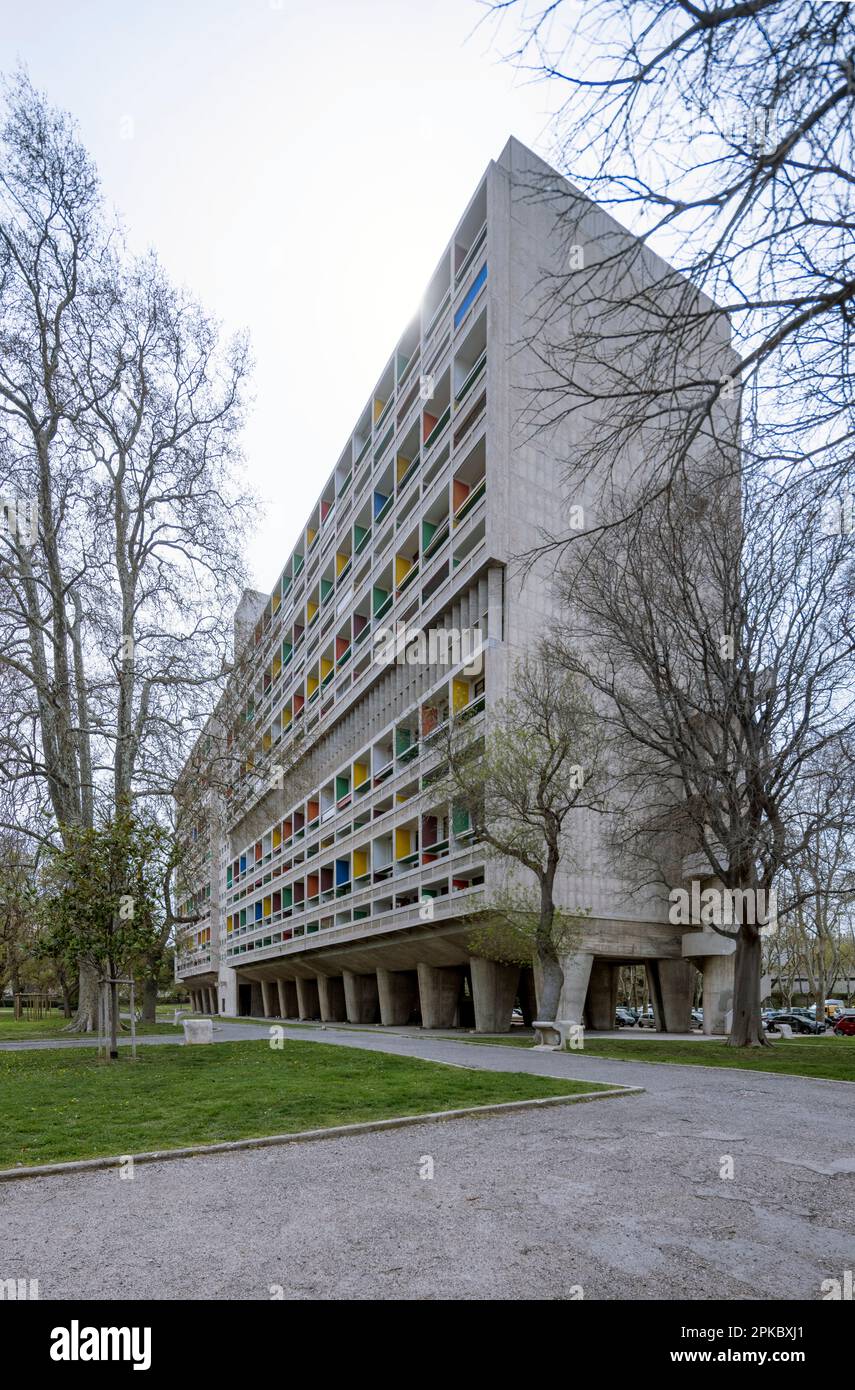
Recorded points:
403,843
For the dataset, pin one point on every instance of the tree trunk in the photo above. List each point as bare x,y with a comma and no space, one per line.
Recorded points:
86,1018
819,1000
551,980
149,1008
114,1020
747,1029
551,983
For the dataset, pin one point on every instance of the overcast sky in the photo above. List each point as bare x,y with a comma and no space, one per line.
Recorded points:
299,165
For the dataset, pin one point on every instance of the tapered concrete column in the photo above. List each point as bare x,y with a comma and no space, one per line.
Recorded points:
439,991
713,954
308,1004
292,1007
601,1002
718,993
677,987
494,989
281,999
398,993
577,974
652,972
267,998
212,1000
331,998
361,997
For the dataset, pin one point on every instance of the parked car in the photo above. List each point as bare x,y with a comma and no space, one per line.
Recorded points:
844,1026
646,1018
624,1018
799,1022
698,1017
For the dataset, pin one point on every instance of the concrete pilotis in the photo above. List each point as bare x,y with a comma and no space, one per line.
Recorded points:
577,974
398,993
718,993
601,1002
361,997
494,989
267,998
713,954
677,987
308,1003
331,998
282,998
439,992
292,1007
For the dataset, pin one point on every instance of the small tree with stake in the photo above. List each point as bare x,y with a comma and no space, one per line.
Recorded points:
102,900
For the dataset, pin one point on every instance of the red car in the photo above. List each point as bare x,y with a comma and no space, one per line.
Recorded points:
845,1025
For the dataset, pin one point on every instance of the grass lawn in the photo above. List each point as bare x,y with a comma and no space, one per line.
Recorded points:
66,1104
832,1059
51,1027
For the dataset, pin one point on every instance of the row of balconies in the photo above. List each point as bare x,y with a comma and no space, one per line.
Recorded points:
370,911
325,534
364,773
378,815
319,604
325,680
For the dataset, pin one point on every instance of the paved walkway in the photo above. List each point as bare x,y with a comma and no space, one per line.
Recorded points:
225,1031
624,1198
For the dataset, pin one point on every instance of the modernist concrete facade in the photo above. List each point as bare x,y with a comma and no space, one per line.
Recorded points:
332,886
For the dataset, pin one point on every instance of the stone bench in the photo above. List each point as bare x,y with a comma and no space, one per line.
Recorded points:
198,1030
562,1035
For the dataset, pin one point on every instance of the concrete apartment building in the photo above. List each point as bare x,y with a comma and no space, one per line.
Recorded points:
328,883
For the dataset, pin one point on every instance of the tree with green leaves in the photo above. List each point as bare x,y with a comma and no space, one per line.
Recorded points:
102,900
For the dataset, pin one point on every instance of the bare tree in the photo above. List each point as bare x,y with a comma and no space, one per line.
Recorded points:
522,784
720,644
120,409
721,133
817,888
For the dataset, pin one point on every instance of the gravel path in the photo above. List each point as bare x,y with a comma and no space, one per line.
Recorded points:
623,1198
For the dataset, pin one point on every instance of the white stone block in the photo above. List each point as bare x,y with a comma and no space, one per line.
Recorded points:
198,1030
